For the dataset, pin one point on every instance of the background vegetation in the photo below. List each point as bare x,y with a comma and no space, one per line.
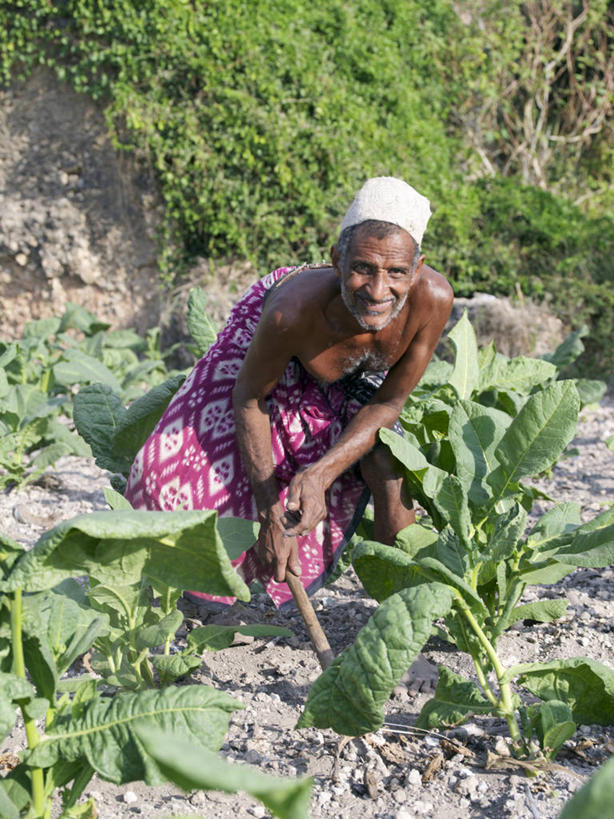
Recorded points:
262,118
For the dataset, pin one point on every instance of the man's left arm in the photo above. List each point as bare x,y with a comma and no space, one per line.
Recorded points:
307,488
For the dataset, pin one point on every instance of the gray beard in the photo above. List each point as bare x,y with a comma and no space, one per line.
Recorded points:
351,306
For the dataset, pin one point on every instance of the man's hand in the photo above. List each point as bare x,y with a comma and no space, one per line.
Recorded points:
274,547
305,504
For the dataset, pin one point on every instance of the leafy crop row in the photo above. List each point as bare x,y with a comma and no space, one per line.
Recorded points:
40,371
475,431
126,723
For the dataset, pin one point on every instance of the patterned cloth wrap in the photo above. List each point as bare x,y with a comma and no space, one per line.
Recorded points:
192,459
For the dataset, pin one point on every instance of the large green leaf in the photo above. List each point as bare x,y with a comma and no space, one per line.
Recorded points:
137,424
8,809
423,478
351,694
595,799
452,503
215,638
542,611
79,368
201,327
384,570
80,318
475,432
414,538
537,435
104,733
584,684
97,413
591,391
182,549
465,375
519,374
454,699
187,765
560,520
452,552
238,535
590,545
569,349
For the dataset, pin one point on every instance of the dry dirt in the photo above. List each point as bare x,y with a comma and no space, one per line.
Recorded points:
384,774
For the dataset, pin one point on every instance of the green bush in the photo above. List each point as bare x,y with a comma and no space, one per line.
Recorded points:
502,237
262,118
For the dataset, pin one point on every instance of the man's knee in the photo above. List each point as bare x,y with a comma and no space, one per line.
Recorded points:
379,464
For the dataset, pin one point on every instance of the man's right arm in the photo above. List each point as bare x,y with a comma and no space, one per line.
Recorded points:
267,357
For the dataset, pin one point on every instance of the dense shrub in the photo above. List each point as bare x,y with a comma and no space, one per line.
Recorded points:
262,117
505,238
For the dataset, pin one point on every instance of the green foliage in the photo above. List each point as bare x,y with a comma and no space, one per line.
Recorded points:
470,560
125,616
593,800
184,763
262,119
38,374
499,236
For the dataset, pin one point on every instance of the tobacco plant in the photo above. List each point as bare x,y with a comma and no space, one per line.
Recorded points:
461,571
116,433
40,371
79,725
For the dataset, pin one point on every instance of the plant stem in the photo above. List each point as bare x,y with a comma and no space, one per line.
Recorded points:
32,734
483,680
506,704
513,596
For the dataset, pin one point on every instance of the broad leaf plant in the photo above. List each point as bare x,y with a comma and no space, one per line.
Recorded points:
471,443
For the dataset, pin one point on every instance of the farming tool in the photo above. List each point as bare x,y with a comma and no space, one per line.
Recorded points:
312,624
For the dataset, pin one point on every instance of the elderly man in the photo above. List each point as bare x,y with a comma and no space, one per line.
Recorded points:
278,422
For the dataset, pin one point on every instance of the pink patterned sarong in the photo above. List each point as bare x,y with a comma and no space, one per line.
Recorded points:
192,459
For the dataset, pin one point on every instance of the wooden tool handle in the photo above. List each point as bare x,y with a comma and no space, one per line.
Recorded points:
318,638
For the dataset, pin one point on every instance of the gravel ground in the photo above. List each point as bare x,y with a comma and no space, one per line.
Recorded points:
395,772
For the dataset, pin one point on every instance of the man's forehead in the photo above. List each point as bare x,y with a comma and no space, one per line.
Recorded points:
391,240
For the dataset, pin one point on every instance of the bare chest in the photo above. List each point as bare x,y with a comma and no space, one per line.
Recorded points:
329,360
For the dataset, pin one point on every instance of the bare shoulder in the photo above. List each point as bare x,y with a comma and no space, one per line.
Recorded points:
293,306
433,294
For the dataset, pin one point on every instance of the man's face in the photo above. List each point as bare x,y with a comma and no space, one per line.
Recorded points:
377,276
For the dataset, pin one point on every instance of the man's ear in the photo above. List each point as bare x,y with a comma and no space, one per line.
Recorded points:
419,263
335,259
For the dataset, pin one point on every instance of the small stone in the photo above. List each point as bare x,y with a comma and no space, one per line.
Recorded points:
501,747
252,757
472,730
21,259
130,797
324,797
400,796
432,742
464,773
414,777
422,808
259,811
403,814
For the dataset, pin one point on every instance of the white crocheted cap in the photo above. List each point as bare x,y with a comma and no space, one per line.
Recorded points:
388,199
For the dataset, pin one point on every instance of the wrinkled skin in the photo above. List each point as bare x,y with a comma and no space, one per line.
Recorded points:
374,311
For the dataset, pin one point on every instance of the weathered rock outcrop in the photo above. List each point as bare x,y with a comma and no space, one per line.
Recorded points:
77,217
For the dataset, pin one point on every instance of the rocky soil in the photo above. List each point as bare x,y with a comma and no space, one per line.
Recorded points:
398,772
